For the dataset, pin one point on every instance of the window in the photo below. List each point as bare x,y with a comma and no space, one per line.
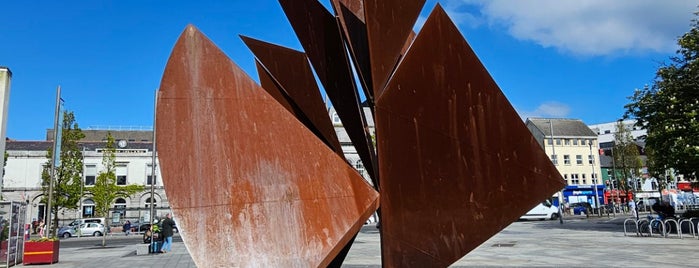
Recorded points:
121,174
149,176
554,159
590,158
594,178
574,179
90,174
550,141
88,208
336,118
607,131
155,202
566,159
567,141
558,141
578,159
120,207
575,141
359,166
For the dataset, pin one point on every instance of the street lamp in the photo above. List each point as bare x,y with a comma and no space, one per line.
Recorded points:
594,180
555,162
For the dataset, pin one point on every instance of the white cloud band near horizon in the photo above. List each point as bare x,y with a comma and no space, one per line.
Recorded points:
549,109
583,28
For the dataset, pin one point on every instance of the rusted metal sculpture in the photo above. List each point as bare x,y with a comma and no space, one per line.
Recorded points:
252,198
458,163
455,163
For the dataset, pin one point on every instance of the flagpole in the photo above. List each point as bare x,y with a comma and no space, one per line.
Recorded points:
47,215
152,174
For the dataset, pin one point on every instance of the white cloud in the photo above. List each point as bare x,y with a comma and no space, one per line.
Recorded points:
547,109
590,27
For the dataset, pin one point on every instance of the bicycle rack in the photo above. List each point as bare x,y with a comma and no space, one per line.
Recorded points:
677,225
638,231
660,223
690,224
639,223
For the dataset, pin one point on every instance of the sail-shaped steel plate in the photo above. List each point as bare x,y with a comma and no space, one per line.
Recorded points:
249,184
389,24
292,75
457,164
319,34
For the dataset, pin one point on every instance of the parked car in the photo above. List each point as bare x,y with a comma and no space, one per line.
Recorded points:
543,211
581,208
86,229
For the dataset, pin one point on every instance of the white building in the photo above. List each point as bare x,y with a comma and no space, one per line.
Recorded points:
574,150
605,131
26,160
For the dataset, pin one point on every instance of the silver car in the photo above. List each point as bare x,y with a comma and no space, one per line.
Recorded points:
86,229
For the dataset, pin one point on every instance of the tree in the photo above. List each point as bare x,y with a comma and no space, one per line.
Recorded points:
626,157
669,111
68,178
106,190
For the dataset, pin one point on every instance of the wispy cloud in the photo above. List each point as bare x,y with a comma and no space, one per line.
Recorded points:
588,28
547,109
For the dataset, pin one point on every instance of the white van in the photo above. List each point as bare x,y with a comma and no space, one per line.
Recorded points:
542,211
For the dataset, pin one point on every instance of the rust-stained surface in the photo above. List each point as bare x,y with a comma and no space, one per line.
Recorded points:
350,15
389,23
224,159
457,164
289,73
319,35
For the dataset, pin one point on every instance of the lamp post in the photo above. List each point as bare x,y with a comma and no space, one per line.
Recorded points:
555,162
594,180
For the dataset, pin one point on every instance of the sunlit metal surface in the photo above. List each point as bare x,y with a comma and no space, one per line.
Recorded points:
287,71
249,184
320,37
457,163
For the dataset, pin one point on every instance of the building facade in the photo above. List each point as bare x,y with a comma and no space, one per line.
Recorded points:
27,159
574,149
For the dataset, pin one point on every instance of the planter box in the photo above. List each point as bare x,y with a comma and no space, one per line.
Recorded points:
41,252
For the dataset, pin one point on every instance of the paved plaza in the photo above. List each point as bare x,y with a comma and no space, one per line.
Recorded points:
579,242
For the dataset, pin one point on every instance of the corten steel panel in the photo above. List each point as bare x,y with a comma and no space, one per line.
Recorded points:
350,15
292,76
457,163
319,35
389,23
230,153
268,84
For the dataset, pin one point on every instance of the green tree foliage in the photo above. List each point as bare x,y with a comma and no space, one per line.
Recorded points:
66,187
626,157
669,110
106,191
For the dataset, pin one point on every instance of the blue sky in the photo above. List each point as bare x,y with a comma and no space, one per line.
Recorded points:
573,59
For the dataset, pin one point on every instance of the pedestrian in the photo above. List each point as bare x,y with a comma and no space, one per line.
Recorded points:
167,230
632,208
127,227
35,225
41,228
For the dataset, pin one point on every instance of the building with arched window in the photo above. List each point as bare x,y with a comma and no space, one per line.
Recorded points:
27,159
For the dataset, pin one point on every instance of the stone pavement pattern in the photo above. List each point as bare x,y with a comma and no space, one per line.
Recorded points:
579,242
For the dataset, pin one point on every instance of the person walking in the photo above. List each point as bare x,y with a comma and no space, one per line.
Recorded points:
166,232
632,208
